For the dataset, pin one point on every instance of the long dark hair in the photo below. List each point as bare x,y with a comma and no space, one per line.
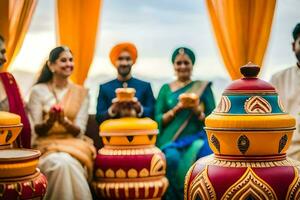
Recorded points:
46,74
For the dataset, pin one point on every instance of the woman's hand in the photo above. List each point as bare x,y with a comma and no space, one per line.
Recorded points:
178,107
199,111
202,116
68,124
55,114
52,117
169,116
61,117
43,128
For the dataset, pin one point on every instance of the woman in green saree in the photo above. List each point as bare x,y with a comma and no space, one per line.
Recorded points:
182,137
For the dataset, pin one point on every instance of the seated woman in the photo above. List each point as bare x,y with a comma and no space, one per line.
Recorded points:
59,111
181,122
11,100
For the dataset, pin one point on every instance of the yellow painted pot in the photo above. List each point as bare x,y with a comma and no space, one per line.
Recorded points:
128,131
18,162
129,166
19,176
10,127
249,134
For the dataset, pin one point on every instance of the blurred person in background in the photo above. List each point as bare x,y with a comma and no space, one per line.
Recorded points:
287,84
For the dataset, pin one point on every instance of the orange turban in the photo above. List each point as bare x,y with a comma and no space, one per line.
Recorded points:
116,50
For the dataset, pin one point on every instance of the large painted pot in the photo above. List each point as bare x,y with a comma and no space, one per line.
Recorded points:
129,166
19,176
249,133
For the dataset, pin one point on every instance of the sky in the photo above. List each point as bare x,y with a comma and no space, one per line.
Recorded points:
157,27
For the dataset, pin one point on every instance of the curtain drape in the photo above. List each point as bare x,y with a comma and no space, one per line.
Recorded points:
15,17
77,24
242,29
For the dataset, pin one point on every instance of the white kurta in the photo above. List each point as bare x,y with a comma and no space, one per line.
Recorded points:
287,84
66,176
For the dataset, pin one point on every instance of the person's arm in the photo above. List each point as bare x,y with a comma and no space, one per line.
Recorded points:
163,116
102,113
35,108
148,104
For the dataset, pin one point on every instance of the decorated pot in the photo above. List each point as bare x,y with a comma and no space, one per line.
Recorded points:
129,166
249,133
32,186
10,128
19,176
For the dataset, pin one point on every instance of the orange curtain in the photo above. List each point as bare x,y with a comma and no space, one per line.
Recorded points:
242,29
77,24
15,17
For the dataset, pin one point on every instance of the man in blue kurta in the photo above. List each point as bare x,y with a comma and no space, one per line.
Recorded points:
123,56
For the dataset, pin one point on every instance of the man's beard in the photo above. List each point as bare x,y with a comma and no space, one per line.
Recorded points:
124,72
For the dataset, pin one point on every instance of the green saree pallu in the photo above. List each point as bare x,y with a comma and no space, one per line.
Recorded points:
183,139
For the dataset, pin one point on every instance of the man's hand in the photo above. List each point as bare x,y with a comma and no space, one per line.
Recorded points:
127,110
114,109
137,106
